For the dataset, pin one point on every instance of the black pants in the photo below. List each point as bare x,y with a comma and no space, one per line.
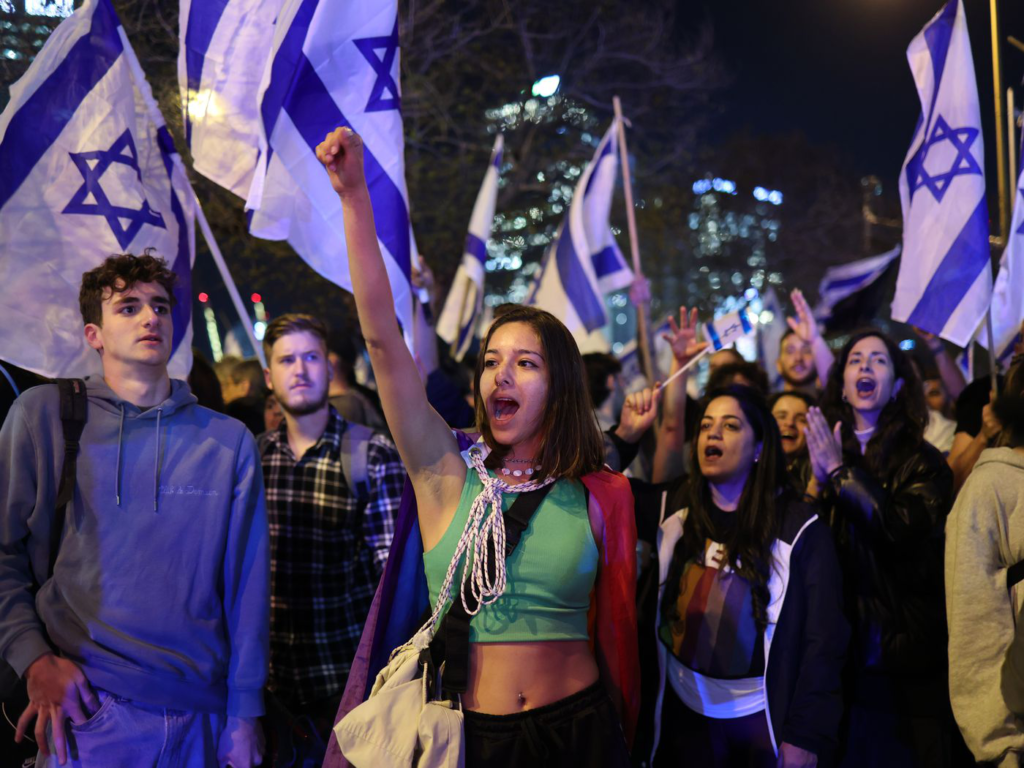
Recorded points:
579,731
690,738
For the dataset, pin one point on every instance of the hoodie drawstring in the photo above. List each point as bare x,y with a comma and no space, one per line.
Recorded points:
117,467
156,460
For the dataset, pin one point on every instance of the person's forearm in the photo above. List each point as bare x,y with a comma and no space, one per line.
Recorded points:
963,462
673,411
370,283
951,375
823,358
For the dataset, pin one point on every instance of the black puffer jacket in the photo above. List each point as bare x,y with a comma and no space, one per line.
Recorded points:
889,535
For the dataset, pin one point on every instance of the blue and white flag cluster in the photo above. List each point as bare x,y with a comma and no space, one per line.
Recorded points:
945,279
584,262
462,308
847,279
87,169
221,59
1008,293
333,64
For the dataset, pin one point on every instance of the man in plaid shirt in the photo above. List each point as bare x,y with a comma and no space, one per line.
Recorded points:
328,547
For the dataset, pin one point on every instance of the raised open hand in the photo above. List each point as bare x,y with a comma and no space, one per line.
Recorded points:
682,336
804,325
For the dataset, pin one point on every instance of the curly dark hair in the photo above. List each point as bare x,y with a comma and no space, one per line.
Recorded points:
572,445
900,429
759,514
118,273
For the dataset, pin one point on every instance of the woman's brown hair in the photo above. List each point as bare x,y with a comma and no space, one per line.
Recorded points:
572,445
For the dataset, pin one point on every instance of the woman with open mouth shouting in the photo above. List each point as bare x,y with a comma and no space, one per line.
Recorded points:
552,655
751,633
886,493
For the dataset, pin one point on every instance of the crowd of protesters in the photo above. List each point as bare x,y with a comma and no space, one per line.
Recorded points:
827,574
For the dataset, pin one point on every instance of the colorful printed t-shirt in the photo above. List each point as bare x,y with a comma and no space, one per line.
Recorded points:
712,629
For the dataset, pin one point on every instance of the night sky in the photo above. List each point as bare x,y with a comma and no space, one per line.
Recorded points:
837,71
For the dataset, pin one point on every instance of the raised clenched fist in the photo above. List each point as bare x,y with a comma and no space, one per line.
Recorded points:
341,153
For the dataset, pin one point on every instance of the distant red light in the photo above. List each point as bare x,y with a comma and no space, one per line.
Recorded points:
203,298
256,298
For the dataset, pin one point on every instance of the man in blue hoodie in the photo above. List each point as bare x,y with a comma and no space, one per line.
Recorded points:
151,636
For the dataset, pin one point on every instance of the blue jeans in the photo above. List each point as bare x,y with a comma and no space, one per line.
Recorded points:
127,734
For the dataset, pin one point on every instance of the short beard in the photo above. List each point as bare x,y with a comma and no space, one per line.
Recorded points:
805,381
304,410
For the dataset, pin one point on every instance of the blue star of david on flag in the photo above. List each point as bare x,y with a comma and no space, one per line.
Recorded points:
963,164
368,46
123,152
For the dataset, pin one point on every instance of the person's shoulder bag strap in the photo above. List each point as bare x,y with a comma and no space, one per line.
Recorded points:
453,634
73,411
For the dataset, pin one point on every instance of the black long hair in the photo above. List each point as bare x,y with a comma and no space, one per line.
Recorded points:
759,514
900,429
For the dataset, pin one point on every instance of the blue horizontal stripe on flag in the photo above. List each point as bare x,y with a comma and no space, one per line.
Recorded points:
466,329
851,282
966,258
35,127
937,36
605,261
203,18
745,322
476,247
588,307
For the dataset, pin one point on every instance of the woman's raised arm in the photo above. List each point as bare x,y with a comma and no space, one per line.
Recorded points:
426,444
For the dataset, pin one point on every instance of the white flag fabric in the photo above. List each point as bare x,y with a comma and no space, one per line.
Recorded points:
1008,293
462,307
224,45
847,279
945,278
333,64
87,169
584,262
769,336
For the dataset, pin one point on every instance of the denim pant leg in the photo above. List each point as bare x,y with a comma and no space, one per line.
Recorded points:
126,734
118,735
192,739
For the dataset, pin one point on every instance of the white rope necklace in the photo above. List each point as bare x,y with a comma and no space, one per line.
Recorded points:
486,524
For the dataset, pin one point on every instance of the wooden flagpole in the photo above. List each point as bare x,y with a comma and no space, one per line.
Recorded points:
642,308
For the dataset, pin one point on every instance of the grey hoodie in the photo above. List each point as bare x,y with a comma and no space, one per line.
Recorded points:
160,592
984,537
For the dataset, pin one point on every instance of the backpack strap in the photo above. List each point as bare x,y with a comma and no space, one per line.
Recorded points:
355,447
1014,574
74,406
451,642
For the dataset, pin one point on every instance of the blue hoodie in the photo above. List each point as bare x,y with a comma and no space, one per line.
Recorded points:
160,592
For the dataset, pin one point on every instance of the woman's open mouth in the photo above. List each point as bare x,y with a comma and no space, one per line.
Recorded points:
503,409
712,452
866,387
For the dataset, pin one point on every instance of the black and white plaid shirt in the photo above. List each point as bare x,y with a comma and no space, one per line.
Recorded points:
327,554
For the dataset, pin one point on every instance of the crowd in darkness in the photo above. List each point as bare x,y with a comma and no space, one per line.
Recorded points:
826,574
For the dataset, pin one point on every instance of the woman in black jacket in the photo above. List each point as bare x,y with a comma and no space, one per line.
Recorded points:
886,494
750,628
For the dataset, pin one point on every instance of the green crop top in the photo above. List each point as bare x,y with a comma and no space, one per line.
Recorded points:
550,575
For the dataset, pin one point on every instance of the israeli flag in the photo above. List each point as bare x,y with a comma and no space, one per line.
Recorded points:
769,336
222,55
728,329
1008,293
845,280
463,306
945,279
584,262
333,64
87,169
